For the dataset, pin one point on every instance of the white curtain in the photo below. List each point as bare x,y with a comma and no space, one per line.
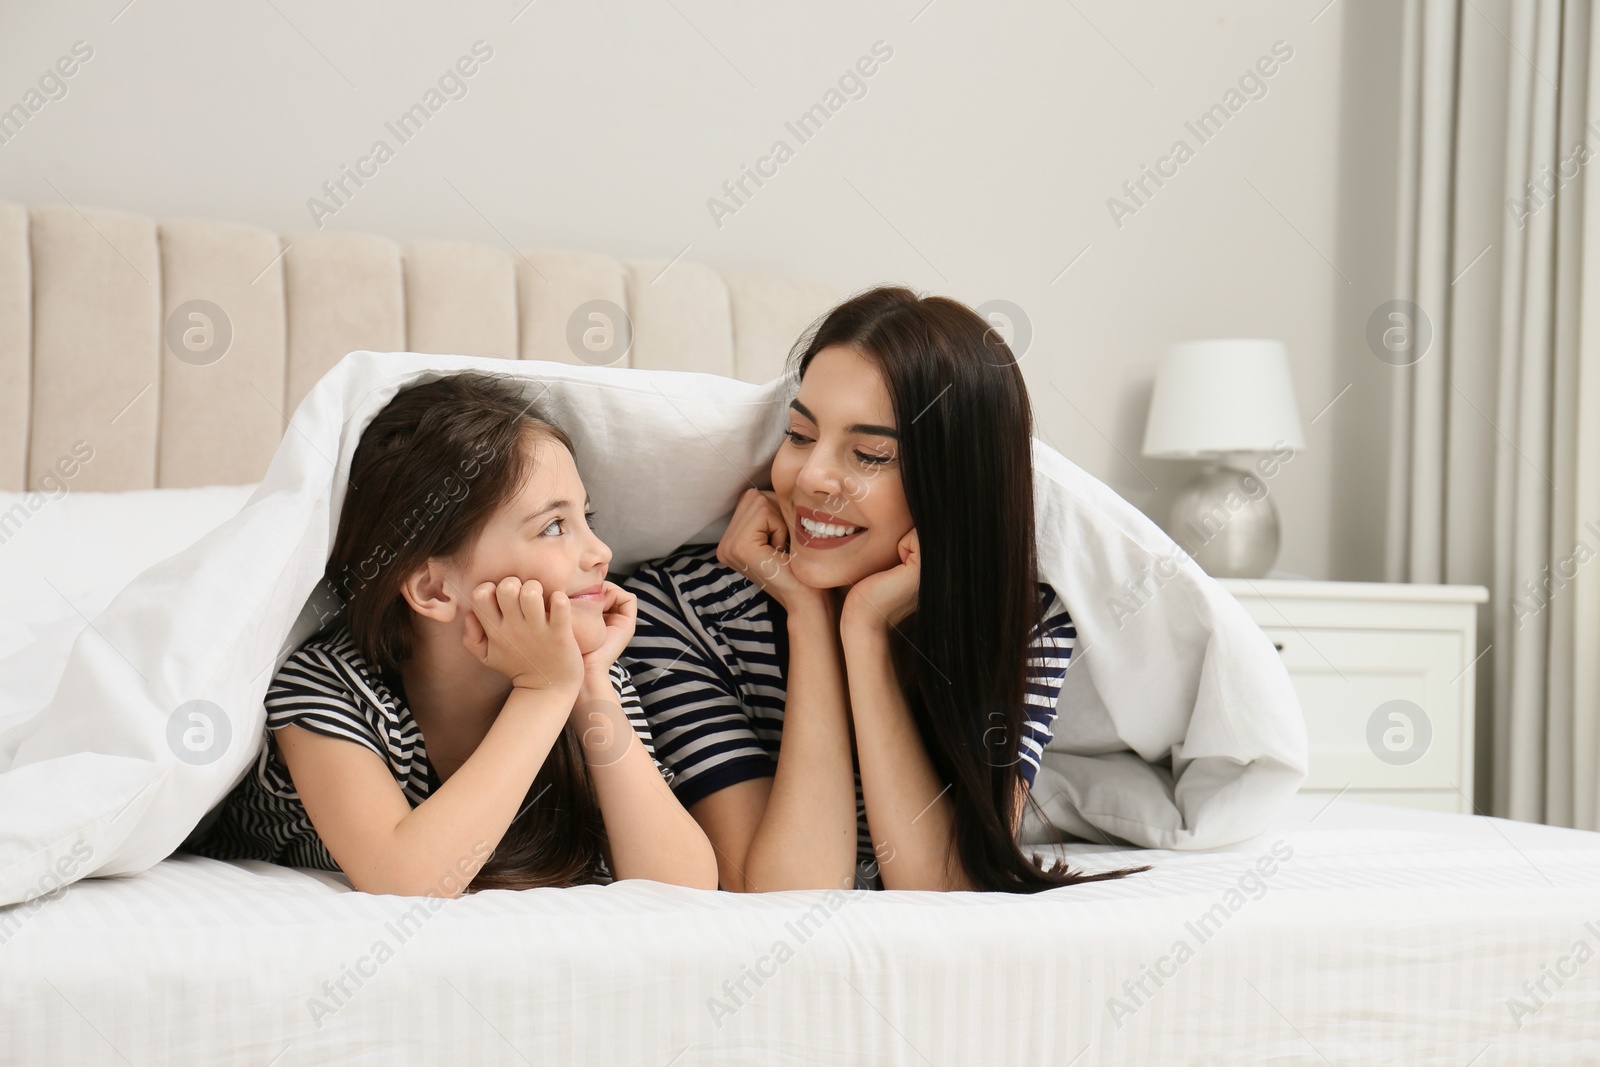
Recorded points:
1495,474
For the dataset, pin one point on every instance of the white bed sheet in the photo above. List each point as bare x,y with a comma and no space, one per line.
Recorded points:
1386,936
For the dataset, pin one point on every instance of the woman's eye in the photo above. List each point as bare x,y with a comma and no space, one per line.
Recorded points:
796,438
873,461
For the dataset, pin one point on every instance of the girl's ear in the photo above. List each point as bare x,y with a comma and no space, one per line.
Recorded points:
431,591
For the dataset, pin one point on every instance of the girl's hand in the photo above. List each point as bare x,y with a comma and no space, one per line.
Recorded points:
884,600
509,630
756,544
620,609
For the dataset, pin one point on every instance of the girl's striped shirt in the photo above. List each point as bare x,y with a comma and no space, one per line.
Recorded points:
710,658
327,686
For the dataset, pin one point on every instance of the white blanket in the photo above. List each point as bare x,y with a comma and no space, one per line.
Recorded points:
1180,728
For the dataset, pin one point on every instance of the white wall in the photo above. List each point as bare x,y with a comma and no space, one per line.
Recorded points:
978,163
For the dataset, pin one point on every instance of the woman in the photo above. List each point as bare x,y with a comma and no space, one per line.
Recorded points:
877,612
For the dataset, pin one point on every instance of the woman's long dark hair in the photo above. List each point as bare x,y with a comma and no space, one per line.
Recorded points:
965,437
429,472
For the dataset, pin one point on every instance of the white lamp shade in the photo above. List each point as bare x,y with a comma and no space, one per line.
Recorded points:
1215,397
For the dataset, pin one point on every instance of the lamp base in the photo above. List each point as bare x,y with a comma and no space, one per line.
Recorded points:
1227,521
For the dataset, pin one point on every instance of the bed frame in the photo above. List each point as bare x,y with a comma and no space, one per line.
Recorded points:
88,298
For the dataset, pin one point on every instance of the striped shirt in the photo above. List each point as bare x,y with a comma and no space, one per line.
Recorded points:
328,687
710,658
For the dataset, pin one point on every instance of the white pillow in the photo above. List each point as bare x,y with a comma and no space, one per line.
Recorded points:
64,556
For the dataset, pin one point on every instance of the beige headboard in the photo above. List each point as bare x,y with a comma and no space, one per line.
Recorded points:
85,298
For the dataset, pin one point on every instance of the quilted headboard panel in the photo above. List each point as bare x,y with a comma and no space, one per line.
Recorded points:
94,313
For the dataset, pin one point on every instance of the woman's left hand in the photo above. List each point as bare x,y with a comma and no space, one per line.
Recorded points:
884,600
620,609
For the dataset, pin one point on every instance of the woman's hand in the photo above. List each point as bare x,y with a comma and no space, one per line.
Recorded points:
756,544
509,630
620,609
883,601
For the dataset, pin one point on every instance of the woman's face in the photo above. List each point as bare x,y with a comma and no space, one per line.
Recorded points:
543,535
837,473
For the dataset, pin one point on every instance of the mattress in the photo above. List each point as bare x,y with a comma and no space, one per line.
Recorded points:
1346,934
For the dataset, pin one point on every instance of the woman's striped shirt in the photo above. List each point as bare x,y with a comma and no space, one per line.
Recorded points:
710,658
327,686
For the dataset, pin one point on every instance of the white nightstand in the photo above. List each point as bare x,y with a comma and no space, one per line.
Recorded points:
1384,673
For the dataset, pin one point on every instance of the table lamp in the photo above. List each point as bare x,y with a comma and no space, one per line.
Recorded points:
1226,401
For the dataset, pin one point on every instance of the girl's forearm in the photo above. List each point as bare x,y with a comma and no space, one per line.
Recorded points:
807,835
445,840
650,834
908,807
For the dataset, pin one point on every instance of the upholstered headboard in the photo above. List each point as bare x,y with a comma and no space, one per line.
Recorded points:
88,298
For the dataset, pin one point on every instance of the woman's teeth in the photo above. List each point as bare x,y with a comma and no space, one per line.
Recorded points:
826,529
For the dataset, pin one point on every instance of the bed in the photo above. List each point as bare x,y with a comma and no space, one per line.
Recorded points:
1342,933
1347,934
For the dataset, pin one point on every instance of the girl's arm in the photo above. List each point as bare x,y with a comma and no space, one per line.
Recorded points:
799,832
650,834
369,828
384,845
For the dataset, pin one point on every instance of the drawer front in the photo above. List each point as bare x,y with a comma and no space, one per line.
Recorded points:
1427,799
1384,709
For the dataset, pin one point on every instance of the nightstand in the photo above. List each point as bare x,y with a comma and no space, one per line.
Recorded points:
1384,672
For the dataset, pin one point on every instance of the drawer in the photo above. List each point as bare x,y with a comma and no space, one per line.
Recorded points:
1385,709
1447,800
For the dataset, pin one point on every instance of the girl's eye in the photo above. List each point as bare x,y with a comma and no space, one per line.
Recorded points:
553,524
796,437
873,461
589,517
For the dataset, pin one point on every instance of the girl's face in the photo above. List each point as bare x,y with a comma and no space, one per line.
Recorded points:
837,473
543,535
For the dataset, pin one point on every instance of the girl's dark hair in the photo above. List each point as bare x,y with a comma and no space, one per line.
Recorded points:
429,472
965,437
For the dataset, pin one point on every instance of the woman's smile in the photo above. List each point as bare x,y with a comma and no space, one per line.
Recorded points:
818,529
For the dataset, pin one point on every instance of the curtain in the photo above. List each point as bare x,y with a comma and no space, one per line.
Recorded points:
1495,462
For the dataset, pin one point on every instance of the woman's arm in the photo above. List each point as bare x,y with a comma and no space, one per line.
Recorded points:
908,808
799,832
698,720
651,836
805,836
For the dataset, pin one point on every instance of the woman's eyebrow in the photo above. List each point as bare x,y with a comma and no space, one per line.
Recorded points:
860,427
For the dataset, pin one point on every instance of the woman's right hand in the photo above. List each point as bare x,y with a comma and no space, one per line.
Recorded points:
509,630
756,544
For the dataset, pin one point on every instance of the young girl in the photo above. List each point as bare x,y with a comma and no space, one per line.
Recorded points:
464,724
855,685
